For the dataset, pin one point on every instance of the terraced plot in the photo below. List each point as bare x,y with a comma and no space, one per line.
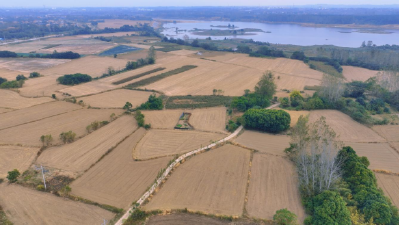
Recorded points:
264,142
212,182
183,219
208,119
116,98
15,157
28,65
118,180
27,206
273,186
390,186
41,86
389,132
158,143
11,99
356,73
76,121
81,154
163,119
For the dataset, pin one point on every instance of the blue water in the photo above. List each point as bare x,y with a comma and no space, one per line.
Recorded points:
287,34
118,50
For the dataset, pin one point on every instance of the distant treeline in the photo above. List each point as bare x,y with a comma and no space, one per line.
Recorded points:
54,55
144,30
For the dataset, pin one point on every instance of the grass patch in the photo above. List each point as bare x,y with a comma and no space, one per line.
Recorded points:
51,46
312,88
138,75
3,218
118,50
325,68
169,48
176,102
161,76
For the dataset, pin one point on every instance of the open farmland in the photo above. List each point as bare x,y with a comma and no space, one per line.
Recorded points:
345,127
27,206
273,186
264,142
183,219
389,132
11,74
116,98
81,154
28,65
208,119
11,99
91,65
118,180
158,143
76,121
380,155
357,74
35,113
135,55
117,23
163,119
212,182
294,116
390,186
15,157
41,86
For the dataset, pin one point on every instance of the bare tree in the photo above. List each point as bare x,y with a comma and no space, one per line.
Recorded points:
388,79
332,87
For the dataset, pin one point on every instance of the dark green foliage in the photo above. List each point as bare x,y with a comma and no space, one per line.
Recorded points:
298,55
249,101
232,126
198,101
264,51
329,61
270,120
12,84
330,209
13,175
20,77
153,103
127,106
53,96
8,54
62,55
312,66
285,217
72,79
138,75
67,137
136,216
34,74
2,80
243,49
139,118
161,76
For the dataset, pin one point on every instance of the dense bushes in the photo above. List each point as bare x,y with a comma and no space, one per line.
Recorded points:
8,54
72,79
62,55
249,101
270,120
34,75
67,137
265,51
152,103
12,84
329,208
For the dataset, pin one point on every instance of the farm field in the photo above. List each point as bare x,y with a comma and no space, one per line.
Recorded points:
135,55
27,65
4,110
213,182
389,132
264,142
41,86
273,186
294,116
35,113
390,186
27,206
117,23
345,127
81,154
15,157
380,155
118,180
351,73
158,143
208,119
76,121
163,119
11,99
183,219
116,98
11,74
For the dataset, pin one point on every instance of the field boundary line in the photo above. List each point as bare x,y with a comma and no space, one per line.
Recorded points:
172,165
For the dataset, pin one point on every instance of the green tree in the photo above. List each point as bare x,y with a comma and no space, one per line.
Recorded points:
266,87
152,54
34,74
270,120
67,137
20,77
330,209
13,175
46,139
285,217
127,106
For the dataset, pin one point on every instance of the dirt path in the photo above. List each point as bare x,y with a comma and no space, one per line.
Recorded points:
172,165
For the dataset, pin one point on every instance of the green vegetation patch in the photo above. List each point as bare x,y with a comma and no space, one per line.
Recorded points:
325,68
201,101
161,76
72,79
138,75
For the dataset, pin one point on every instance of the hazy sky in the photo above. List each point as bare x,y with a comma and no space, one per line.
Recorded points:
134,3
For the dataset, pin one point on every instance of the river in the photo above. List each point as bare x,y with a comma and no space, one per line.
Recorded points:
287,33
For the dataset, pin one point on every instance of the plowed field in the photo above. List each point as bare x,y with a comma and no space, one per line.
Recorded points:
116,98
390,186
15,157
264,142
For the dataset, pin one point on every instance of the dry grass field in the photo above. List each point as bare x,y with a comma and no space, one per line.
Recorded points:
27,65
117,23
273,186
11,99
158,143
34,113
264,142
15,157
42,86
81,154
294,116
11,74
92,65
184,219
390,186
356,73
4,110
212,182
163,119
76,121
208,119
135,55
116,98
118,180
27,206
389,132
380,155
344,126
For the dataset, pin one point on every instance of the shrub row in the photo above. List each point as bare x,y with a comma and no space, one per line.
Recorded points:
138,75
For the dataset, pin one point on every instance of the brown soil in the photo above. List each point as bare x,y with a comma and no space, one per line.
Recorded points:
15,157
116,98
11,99
390,186
264,142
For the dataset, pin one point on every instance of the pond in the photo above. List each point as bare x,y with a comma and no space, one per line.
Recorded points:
118,50
283,33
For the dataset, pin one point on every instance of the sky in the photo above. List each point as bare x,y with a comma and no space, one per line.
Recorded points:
154,3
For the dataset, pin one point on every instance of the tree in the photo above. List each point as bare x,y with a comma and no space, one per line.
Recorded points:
152,54
266,87
2,80
269,120
153,102
330,209
20,77
112,116
332,87
34,74
46,139
13,175
72,79
298,55
139,118
67,137
285,217
127,106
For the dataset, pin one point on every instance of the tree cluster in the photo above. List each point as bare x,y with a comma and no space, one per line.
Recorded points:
67,137
72,79
269,120
153,103
265,51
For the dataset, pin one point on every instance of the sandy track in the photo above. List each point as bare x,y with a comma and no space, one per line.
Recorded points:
116,98
35,113
118,180
81,154
380,155
356,73
26,206
213,182
390,186
76,121
264,142
344,126
158,143
11,99
15,157
273,186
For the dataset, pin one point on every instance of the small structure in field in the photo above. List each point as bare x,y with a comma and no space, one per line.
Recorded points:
183,122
